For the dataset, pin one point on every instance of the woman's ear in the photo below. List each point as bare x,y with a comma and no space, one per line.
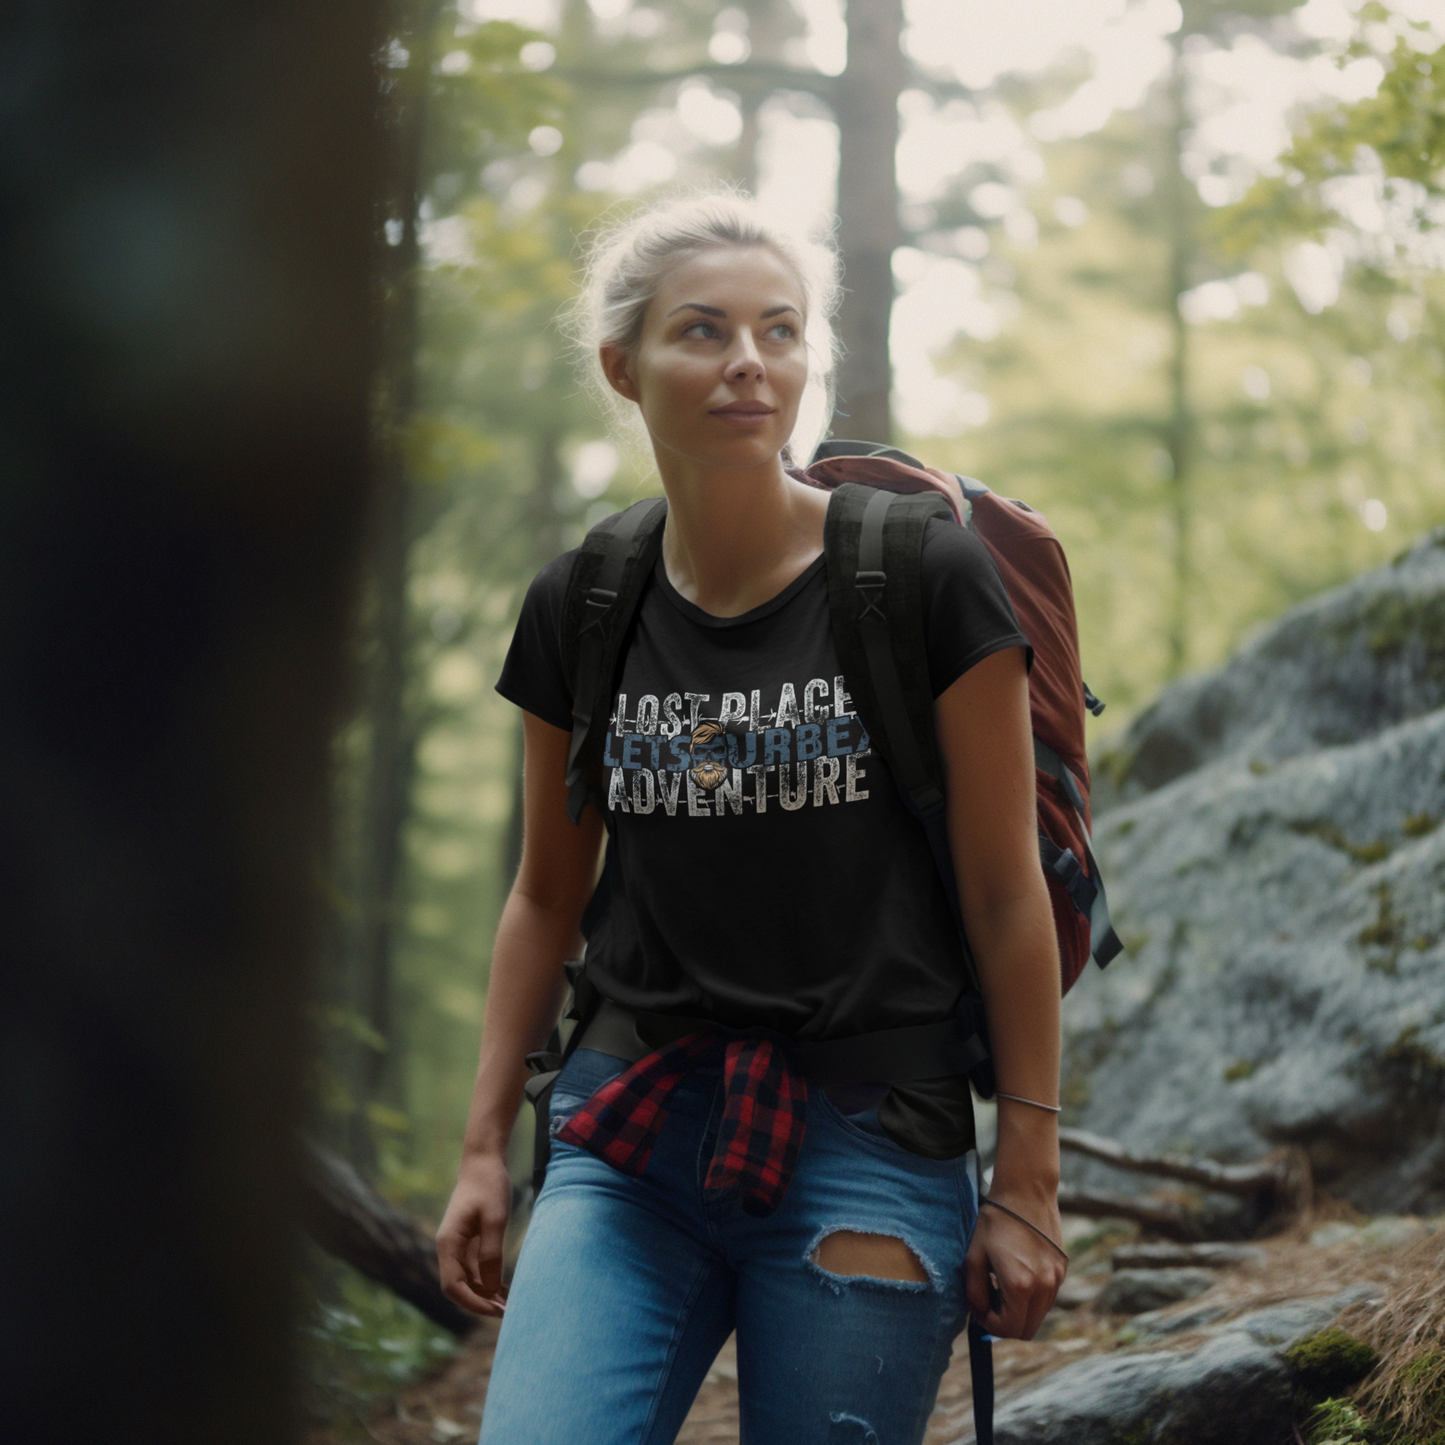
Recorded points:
617,368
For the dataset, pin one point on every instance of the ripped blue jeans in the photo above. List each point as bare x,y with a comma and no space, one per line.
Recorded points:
627,1288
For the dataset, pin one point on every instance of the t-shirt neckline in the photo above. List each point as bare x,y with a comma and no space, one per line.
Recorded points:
694,613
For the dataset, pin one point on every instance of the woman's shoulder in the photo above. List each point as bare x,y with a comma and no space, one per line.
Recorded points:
551,578
547,591
533,675
954,551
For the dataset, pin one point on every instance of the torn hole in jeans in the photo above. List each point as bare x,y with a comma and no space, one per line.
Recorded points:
870,1258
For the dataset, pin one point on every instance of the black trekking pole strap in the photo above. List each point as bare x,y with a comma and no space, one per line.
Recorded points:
980,1369
597,631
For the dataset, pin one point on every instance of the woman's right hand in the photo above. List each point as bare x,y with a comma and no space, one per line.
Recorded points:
469,1241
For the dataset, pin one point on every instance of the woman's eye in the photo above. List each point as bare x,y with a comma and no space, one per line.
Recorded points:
703,329
783,331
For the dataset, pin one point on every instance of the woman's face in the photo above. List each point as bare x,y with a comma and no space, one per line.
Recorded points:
720,367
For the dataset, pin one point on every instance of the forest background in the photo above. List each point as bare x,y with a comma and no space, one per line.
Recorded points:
1171,273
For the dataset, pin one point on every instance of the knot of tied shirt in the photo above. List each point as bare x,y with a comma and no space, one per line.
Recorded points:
765,1101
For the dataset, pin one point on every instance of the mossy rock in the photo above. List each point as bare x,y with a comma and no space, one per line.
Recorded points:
1329,1363
1394,621
1329,834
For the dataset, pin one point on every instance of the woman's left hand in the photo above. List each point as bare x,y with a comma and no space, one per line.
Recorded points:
1012,1273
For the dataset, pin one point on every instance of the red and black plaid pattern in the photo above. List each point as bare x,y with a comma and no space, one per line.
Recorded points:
764,1116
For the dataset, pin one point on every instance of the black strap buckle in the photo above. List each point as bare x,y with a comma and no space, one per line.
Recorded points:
874,583
598,603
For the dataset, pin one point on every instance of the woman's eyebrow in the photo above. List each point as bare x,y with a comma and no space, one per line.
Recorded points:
718,311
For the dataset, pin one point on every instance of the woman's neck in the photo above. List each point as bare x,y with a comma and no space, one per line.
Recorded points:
736,537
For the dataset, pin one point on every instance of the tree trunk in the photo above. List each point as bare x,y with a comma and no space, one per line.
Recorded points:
351,1221
768,30
868,231
184,384
391,761
1179,432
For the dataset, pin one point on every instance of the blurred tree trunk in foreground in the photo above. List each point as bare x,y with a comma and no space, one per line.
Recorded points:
187,211
369,945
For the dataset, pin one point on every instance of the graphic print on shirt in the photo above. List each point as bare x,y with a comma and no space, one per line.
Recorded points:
679,751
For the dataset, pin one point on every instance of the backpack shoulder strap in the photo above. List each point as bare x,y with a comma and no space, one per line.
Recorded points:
607,578
873,541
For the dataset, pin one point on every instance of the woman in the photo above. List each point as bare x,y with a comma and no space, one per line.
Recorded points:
707,1187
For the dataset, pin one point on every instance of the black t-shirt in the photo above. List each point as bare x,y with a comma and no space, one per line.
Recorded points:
766,869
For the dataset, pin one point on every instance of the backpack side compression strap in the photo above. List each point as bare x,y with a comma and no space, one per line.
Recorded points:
1086,891
602,594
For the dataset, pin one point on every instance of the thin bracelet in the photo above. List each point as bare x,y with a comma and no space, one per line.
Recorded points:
1026,1224
1034,1103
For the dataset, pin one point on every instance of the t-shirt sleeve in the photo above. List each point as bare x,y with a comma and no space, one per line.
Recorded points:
533,675
966,611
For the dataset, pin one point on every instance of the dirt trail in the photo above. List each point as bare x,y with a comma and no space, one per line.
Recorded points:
447,1407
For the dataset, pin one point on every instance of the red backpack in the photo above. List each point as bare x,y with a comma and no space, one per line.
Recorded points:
873,542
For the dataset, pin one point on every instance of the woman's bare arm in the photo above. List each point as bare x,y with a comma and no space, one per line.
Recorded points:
538,930
985,738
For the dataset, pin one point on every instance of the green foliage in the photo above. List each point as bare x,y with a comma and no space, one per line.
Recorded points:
1425,1375
1305,431
360,1344
1339,1422
1397,134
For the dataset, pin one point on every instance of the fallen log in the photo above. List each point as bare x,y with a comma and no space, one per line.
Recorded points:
1206,1255
1185,1220
351,1221
1267,1193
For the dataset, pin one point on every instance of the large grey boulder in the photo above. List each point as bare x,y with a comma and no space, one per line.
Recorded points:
1272,842
1230,1391
1233,1388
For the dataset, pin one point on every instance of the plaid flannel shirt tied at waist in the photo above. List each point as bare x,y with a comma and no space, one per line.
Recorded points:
764,1114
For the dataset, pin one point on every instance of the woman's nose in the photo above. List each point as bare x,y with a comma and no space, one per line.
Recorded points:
745,361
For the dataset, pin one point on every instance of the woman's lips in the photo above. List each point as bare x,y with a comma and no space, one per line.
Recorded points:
744,414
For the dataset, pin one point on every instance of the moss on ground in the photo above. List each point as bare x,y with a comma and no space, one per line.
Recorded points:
1328,1363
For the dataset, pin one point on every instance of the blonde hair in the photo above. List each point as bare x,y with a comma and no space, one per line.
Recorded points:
627,258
